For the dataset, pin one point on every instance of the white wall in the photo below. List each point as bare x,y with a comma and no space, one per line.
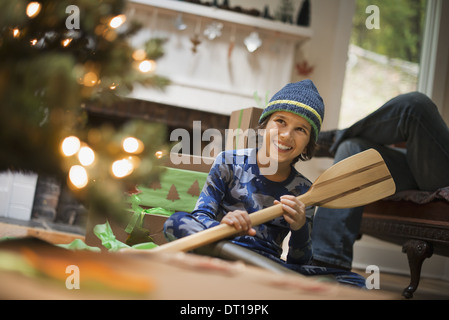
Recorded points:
210,79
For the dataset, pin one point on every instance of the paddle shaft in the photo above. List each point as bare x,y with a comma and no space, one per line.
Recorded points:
223,230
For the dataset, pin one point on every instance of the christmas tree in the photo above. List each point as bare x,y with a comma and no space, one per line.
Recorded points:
194,189
155,185
57,56
173,193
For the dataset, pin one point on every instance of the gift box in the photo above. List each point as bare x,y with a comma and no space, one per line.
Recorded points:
175,190
238,136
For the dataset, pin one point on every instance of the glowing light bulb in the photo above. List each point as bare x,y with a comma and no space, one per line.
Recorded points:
139,54
66,42
147,66
90,79
159,154
117,21
122,168
33,9
78,176
86,156
15,32
70,146
132,145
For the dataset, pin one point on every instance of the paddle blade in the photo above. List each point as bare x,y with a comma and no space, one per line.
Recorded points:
353,182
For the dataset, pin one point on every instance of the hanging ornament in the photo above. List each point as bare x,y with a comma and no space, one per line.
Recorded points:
253,41
179,23
213,30
231,42
195,40
304,68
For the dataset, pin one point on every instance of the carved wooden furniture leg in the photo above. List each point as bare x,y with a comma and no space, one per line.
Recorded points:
417,251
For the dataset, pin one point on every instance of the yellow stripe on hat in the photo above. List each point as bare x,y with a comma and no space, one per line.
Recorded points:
299,104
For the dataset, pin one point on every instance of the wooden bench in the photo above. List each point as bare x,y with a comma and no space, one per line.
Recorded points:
421,229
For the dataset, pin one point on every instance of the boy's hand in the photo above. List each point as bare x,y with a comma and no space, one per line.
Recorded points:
294,211
239,220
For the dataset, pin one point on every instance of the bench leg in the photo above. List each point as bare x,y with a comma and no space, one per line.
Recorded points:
417,251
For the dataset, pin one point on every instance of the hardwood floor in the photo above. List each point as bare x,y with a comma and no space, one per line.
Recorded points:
428,289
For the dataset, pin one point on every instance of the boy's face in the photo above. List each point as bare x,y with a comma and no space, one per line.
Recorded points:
287,136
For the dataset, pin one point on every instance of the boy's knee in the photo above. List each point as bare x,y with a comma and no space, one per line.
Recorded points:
173,224
181,224
351,147
417,103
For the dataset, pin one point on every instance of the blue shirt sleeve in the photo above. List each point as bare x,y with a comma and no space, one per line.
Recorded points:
300,245
213,193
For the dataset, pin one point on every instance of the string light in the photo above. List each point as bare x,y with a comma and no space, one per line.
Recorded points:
132,145
33,9
90,79
122,168
78,176
15,32
159,154
86,156
139,54
117,21
66,42
70,146
147,66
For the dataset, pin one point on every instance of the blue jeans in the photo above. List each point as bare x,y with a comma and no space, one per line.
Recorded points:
412,118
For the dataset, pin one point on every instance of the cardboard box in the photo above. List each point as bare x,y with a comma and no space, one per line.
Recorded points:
180,176
237,135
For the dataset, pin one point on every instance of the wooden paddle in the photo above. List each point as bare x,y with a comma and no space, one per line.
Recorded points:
352,182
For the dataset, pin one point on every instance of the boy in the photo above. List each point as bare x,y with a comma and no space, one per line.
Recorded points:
239,183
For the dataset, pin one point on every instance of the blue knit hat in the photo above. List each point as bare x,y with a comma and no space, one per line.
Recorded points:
301,98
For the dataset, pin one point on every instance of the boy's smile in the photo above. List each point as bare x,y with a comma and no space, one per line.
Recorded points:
281,146
286,137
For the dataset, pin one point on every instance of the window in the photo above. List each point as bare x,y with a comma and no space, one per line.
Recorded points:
383,55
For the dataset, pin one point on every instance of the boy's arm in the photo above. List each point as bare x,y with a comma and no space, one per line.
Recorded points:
212,194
